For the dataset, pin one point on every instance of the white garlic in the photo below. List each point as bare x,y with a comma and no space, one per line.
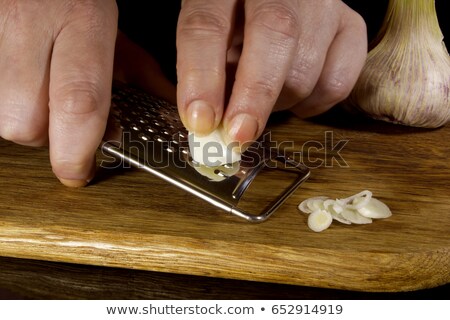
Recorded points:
211,150
406,78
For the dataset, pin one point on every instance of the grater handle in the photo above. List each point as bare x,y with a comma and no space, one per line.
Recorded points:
300,169
303,174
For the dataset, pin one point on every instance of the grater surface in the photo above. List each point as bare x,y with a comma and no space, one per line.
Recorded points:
147,133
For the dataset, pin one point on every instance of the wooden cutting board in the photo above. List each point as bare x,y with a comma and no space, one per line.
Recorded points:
128,218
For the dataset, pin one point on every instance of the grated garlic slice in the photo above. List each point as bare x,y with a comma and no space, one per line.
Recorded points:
360,208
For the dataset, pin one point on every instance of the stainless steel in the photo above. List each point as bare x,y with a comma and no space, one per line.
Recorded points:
147,133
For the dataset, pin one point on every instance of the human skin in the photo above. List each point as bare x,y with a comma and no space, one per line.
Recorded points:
303,55
56,66
58,59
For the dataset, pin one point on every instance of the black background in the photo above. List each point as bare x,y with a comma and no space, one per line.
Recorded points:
152,24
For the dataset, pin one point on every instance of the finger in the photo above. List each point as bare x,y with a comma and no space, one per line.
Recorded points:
132,64
317,32
24,79
80,89
203,34
270,42
344,62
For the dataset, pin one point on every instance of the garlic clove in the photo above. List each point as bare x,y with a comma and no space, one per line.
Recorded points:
211,150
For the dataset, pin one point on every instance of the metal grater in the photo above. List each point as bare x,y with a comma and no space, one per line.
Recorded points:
146,132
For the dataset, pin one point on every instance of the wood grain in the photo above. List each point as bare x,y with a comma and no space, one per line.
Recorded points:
33,279
130,219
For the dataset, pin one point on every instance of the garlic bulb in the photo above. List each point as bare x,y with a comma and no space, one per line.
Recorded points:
406,78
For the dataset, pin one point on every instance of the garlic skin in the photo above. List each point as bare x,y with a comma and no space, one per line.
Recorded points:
406,78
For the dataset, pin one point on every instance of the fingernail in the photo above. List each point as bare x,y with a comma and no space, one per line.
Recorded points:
78,183
243,128
74,183
201,117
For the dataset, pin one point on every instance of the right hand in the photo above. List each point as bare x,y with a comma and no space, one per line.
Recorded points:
301,55
56,66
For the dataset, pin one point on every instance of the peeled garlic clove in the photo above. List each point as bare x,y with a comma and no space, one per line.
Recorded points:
211,150
319,220
406,76
375,209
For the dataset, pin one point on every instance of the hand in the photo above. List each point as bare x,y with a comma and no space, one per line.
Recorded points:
56,65
303,55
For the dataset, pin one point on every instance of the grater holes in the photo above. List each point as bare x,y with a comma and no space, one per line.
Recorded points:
221,173
170,149
151,118
135,127
166,132
159,138
150,129
177,136
156,123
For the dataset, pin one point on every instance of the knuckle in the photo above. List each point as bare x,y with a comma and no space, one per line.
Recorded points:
204,22
94,15
22,130
335,89
77,99
300,83
357,22
301,78
277,18
17,18
262,90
